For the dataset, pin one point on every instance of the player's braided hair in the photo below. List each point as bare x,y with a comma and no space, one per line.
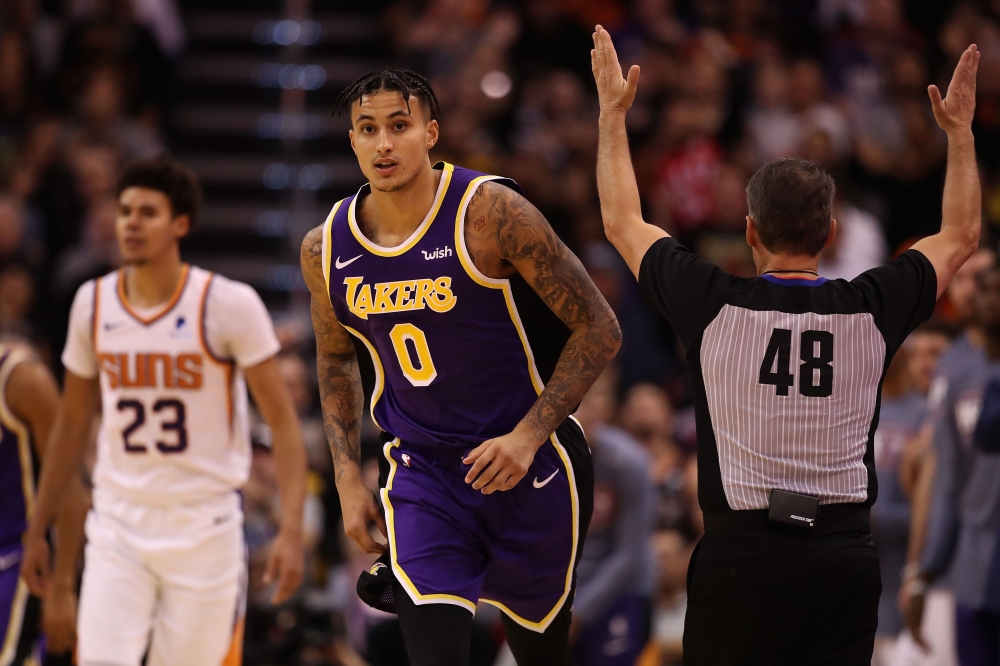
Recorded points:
405,82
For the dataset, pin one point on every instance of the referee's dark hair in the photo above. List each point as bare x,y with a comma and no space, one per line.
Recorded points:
163,174
791,203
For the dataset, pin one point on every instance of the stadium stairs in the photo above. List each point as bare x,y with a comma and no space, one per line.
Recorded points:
252,118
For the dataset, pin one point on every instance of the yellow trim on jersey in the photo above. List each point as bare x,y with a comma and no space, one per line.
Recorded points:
328,246
493,283
20,430
14,624
379,372
542,625
401,576
417,234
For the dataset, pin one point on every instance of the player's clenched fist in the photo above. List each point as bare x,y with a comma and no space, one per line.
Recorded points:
615,92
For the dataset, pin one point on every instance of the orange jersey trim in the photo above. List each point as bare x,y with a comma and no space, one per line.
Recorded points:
123,297
95,318
234,656
203,337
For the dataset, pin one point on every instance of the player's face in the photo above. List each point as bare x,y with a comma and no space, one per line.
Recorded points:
146,226
962,289
988,300
923,351
390,140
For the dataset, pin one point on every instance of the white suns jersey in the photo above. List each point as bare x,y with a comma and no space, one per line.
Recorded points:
175,426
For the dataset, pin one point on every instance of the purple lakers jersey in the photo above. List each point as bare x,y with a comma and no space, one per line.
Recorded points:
456,357
17,463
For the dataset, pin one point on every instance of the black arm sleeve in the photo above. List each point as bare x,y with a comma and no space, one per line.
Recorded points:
900,295
686,289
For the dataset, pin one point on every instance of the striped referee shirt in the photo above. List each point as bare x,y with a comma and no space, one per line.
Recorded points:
787,373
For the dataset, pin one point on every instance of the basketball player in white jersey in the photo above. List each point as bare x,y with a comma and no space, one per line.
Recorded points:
168,350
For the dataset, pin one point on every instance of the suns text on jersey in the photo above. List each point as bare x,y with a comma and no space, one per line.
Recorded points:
364,299
153,370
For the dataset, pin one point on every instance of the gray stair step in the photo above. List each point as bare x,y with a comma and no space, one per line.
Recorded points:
273,221
251,70
274,173
267,123
269,29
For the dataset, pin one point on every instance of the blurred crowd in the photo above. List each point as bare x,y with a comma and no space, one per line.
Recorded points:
85,86
726,85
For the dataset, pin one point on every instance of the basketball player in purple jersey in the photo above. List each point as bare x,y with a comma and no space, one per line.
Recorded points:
482,332
29,399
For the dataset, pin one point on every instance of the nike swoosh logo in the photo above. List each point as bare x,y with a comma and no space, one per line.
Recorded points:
346,263
110,326
539,484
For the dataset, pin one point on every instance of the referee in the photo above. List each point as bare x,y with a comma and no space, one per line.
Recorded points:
786,369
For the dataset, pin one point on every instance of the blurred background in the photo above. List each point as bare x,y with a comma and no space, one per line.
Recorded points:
241,91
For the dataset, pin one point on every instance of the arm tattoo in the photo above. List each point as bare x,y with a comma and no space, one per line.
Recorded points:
336,363
520,235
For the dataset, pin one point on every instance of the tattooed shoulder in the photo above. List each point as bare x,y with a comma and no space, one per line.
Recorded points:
311,259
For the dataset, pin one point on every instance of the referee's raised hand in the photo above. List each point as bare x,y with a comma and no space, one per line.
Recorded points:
955,112
614,91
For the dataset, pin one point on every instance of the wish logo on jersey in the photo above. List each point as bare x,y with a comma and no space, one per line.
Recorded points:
382,297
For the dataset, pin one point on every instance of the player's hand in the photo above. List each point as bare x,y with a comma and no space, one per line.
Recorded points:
360,507
955,111
35,563
615,92
498,464
911,603
285,563
59,618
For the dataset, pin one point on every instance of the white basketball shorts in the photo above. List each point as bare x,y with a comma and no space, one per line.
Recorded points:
170,580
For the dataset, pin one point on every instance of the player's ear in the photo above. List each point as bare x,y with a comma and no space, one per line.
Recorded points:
182,225
833,233
433,132
350,133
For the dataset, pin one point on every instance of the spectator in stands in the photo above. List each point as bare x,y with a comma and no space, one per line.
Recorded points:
772,126
673,553
688,167
647,415
17,80
12,230
615,576
647,353
17,302
102,119
965,507
902,417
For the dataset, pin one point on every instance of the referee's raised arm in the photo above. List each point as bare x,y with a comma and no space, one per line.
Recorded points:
616,184
961,208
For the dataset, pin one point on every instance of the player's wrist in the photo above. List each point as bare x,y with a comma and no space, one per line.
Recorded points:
536,433
290,531
63,584
348,475
37,529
